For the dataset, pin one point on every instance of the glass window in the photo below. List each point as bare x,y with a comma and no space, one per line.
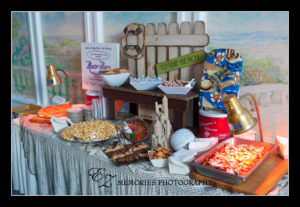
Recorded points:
62,34
22,74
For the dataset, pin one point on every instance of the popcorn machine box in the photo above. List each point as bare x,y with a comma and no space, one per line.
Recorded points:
94,58
221,76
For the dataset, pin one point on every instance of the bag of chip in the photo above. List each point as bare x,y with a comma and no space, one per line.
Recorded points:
221,76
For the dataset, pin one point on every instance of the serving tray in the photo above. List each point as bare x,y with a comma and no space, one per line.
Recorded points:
260,182
224,176
77,140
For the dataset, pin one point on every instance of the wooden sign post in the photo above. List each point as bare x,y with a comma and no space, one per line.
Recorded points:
180,62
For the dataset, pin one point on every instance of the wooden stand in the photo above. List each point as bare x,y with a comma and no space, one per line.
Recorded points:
259,183
179,103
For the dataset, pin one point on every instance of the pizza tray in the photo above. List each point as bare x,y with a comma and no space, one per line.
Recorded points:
224,176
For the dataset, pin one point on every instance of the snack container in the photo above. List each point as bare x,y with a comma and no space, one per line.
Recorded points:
224,176
175,90
116,80
160,163
145,86
145,124
213,123
90,95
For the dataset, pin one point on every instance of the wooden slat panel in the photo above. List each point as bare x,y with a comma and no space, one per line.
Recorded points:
150,52
162,51
173,51
172,40
185,73
141,66
132,67
199,28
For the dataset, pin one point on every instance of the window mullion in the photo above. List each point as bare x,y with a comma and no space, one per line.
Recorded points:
38,58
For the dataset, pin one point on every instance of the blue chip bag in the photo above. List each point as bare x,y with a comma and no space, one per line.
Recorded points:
221,76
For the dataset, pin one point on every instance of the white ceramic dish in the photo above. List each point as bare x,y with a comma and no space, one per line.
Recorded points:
160,163
116,80
175,90
145,86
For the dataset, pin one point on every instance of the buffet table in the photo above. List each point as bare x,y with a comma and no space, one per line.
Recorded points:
44,164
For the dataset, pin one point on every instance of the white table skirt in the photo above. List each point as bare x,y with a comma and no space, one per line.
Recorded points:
23,180
43,164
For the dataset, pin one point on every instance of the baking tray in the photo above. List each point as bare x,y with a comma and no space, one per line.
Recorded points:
221,175
94,142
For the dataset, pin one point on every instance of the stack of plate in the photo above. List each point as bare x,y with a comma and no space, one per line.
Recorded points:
87,113
75,114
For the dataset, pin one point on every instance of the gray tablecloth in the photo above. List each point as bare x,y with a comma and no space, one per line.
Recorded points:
65,168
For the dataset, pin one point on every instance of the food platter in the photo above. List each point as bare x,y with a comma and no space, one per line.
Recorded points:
200,158
79,139
54,111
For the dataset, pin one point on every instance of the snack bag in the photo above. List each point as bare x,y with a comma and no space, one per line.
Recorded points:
221,76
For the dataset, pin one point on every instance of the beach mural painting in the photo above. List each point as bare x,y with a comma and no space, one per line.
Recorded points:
62,34
261,37
22,75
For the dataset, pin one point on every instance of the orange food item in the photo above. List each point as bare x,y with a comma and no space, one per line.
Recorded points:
54,111
40,120
236,159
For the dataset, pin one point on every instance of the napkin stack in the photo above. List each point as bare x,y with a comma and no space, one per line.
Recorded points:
60,123
179,161
202,144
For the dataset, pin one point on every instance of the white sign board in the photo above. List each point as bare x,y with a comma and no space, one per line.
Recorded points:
96,57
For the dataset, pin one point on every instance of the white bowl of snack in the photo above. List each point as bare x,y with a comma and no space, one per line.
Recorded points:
159,157
116,77
145,84
176,87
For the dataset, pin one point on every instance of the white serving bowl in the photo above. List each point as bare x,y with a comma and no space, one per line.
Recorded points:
175,90
160,163
116,80
145,86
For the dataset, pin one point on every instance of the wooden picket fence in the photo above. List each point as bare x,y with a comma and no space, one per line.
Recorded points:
164,43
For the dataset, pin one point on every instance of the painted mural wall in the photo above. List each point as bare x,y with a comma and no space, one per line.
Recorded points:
21,74
62,34
262,38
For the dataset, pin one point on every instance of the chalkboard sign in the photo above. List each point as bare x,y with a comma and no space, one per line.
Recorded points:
180,62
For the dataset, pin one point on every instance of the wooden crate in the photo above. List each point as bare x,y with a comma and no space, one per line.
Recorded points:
25,110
